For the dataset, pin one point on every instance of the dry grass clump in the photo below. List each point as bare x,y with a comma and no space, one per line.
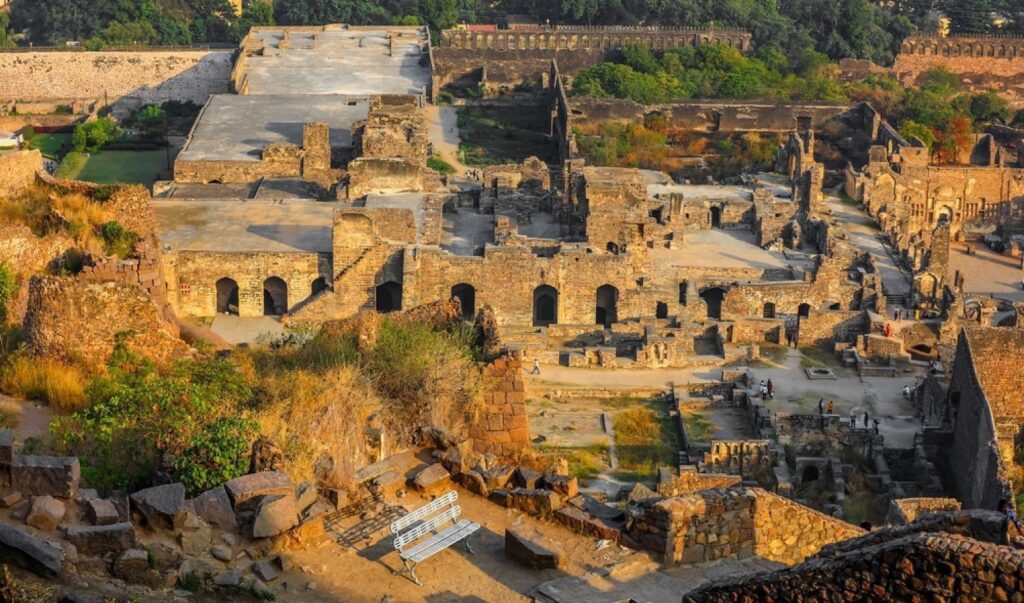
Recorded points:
311,414
47,211
60,385
10,415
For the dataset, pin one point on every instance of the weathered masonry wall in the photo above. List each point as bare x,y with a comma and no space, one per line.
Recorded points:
195,275
925,567
133,78
18,171
510,57
705,116
981,63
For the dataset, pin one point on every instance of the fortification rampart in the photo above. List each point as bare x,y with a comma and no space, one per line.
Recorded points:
128,78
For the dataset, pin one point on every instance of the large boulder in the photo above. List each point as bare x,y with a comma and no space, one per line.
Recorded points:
214,507
46,475
245,492
527,478
534,501
158,505
46,513
102,512
531,548
433,480
28,552
566,485
194,535
99,540
275,515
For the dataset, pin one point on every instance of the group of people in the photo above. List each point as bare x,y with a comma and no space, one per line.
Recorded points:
767,389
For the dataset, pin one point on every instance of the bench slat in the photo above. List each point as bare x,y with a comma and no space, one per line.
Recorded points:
426,510
440,541
427,526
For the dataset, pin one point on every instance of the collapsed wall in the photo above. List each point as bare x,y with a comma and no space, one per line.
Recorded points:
128,78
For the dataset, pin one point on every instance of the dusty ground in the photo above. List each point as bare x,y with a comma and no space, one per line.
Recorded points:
30,419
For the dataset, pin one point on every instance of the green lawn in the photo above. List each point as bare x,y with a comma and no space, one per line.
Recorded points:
109,167
49,144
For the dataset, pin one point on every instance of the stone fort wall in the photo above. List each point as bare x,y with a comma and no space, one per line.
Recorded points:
131,77
19,171
511,57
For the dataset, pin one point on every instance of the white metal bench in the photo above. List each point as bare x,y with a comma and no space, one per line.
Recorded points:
429,519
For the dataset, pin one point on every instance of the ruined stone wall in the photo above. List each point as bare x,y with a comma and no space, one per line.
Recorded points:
237,171
690,481
77,320
193,277
502,427
19,171
917,567
514,56
736,523
982,63
977,471
826,327
708,116
120,78
376,175
907,510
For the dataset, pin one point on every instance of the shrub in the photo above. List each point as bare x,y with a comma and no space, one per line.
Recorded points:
119,240
217,453
45,380
438,164
8,287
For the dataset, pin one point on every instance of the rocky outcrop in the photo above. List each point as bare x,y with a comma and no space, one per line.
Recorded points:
29,552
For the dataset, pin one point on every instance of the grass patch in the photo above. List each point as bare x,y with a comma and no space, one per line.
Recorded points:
814,356
645,440
59,385
10,415
50,144
619,402
771,355
111,167
503,134
584,463
698,426
439,165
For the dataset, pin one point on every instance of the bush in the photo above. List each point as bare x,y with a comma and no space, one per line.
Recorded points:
119,240
59,385
8,287
438,164
217,453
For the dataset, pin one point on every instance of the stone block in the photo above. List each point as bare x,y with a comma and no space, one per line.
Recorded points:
390,484
581,522
10,498
46,513
535,501
158,505
531,548
28,552
567,486
433,480
245,491
98,540
194,535
132,566
275,515
214,507
499,497
498,477
526,478
101,512
264,571
305,495
56,476
474,482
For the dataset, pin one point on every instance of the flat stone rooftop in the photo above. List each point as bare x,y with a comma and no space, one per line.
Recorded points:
233,226
701,191
413,202
236,128
719,249
348,61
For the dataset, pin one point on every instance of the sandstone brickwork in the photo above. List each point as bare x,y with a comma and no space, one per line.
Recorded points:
501,426
982,63
19,171
133,78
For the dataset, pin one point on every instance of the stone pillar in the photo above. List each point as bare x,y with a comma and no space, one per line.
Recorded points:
502,428
316,158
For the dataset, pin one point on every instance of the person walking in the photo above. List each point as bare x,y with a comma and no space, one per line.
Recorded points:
853,419
876,426
865,419
831,406
1010,515
888,329
536,367
771,390
764,390
821,406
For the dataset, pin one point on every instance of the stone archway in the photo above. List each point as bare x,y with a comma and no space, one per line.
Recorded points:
713,297
804,310
275,297
716,217
227,296
389,297
466,295
607,305
545,306
318,286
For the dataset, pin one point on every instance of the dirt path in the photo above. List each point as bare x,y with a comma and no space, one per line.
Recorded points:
32,418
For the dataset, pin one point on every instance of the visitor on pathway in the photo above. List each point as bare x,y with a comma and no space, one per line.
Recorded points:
888,329
876,426
853,419
764,390
831,406
536,367
821,406
1010,515
771,390
906,392
865,420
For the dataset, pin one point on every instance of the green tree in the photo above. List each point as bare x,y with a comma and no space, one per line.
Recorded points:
969,17
132,33
439,14
912,129
989,106
8,287
6,32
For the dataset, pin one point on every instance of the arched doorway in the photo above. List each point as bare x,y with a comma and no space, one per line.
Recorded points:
716,217
318,286
607,305
804,310
713,298
612,248
467,298
769,310
275,297
389,297
944,215
810,474
545,306
227,296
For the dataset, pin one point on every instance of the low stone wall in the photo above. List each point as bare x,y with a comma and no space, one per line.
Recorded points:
690,481
18,171
735,524
920,567
826,327
907,510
